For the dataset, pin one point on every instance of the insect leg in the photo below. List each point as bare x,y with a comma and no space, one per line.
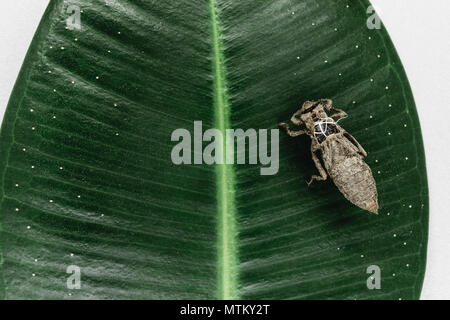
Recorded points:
308,104
296,120
290,132
328,103
356,143
323,173
340,113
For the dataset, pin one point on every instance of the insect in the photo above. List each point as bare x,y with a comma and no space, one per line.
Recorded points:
341,154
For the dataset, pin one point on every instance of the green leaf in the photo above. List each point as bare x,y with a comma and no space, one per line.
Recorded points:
85,155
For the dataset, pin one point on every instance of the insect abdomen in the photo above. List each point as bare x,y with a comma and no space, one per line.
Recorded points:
349,172
354,179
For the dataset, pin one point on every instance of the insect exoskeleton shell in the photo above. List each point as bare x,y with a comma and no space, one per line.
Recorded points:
354,179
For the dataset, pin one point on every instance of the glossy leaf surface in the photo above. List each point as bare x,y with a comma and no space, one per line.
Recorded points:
85,155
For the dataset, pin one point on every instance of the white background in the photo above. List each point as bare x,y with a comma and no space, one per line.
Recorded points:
420,31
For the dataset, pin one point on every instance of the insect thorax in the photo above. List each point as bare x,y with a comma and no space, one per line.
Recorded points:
324,128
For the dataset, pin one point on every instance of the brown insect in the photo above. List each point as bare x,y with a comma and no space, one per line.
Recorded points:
341,153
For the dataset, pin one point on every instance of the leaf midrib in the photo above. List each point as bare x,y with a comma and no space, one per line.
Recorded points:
226,209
